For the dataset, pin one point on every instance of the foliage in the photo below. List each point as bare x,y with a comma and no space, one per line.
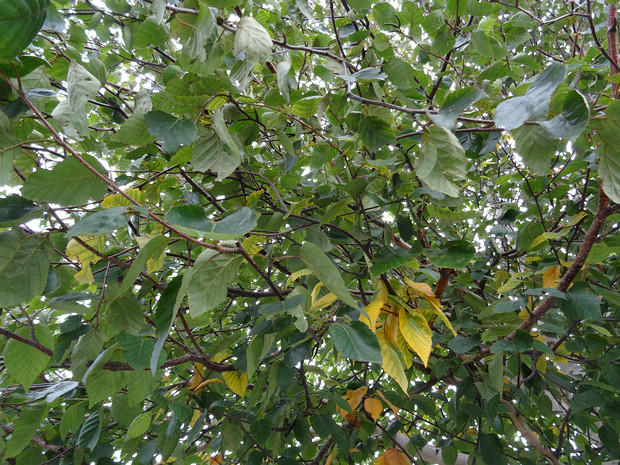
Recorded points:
304,232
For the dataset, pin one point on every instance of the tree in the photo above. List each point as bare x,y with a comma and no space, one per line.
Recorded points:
309,232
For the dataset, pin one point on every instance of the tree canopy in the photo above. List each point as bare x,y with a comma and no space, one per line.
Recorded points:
309,232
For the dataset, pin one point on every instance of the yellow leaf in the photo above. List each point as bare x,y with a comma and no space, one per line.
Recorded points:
217,460
117,200
373,309
374,407
389,404
392,363
380,461
195,417
76,251
323,302
417,333
236,383
353,398
390,328
422,288
330,457
395,457
197,377
206,382
550,276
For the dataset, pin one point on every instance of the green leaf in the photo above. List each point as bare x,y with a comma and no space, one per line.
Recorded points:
492,450
90,431
455,103
536,147
54,391
10,149
101,222
24,267
140,425
20,20
231,227
389,258
290,303
441,160
134,131
68,183
211,274
138,351
375,133
399,72
252,41
306,107
581,303
172,131
25,428
71,112
513,112
454,254
326,271
573,119
365,75
154,247
356,341
15,210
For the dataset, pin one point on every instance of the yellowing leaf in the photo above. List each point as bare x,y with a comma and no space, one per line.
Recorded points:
252,244
380,460
395,457
501,276
252,199
417,333
405,351
436,309
236,383
392,363
576,218
550,276
155,262
541,364
76,251
297,274
373,309
117,200
374,407
508,286
548,235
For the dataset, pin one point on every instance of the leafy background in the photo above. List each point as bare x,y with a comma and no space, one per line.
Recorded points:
304,232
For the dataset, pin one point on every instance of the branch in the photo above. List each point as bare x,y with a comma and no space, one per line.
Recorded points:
602,212
36,345
529,436
38,441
